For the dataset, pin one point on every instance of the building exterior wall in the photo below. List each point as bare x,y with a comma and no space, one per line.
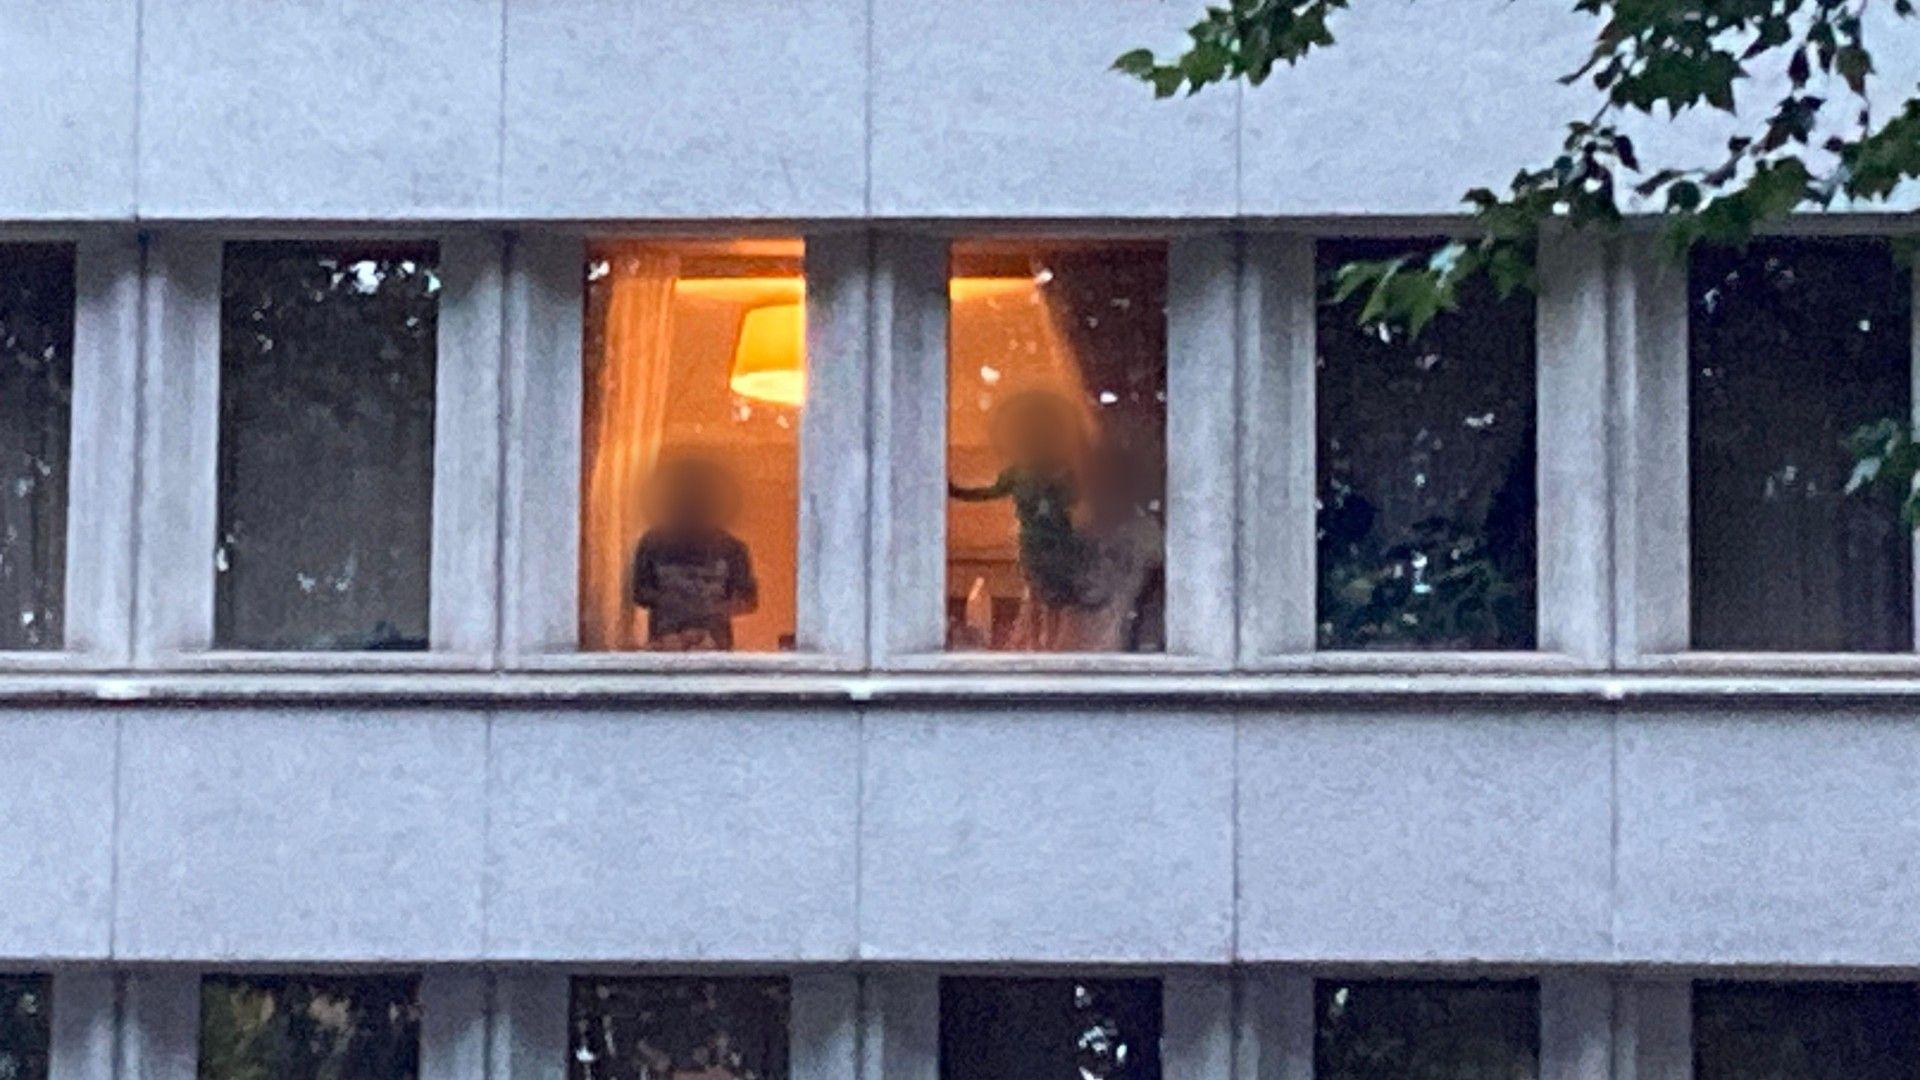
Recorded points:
1612,814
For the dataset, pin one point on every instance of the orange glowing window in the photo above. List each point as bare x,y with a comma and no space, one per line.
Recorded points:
695,365
1056,446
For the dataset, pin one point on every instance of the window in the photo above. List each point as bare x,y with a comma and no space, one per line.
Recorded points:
1049,1029
1793,344
309,1028
1806,1031
327,359
679,1029
1425,457
25,1031
695,369
1056,421
1426,1030
36,397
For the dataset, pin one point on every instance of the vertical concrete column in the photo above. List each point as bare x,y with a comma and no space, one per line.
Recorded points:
160,1026
1576,1027
900,1026
84,1011
1274,1032
1197,1029
453,1024
466,449
101,478
528,1035
1575,602
1653,1031
1202,448
834,442
825,1026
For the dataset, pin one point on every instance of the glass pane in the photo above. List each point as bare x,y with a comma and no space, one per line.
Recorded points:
25,1030
1056,447
309,1028
1426,1031
679,1029
695,367
1049,1029
36,399
1426,470
1794,344
326,446
1806,1031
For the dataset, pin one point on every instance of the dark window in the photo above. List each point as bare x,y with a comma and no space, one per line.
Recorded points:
1391,1030
327,356
679,1029
1792,346
309,1028
24,1027
1426,469
36,398
1806,1031
1056,447
1049,1029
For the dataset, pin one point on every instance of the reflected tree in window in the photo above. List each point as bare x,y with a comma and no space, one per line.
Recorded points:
1426,460
327,357
1049,1029
1426,1030
679,1029
24,1027
1794,344
36,399
309,1028
1806,1031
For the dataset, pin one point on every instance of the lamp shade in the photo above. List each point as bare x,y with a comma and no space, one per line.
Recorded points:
770,359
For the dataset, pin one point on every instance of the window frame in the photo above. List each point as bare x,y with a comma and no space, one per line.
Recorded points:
1648,318
909,521
97,596
179,403
1278,477
545,386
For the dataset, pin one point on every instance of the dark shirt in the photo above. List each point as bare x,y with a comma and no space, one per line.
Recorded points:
692,581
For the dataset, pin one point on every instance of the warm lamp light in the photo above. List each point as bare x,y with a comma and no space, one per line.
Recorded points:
770,360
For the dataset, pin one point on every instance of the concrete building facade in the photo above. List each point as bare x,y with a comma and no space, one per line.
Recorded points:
1614,814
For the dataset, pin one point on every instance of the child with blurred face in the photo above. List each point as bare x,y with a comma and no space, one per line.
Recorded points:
691,575
1038,433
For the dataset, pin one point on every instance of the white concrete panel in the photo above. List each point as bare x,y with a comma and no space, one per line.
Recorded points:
323,108
303,835
1437,837
1103,835
67,109
56,834
686,108
1009,108
1416,104
1757,837
726,836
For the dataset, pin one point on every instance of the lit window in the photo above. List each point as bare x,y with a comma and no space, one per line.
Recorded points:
1426,1030
25,1028
309,1028
1049,1029
1057,419
327,357
679,1029
695,367
1794,344
36,397
1426,470
1806,1031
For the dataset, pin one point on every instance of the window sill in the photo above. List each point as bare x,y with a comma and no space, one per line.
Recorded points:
664,663
317,663
1783,664
1407,662
1026,663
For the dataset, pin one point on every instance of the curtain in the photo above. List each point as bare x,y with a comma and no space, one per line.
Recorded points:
626,398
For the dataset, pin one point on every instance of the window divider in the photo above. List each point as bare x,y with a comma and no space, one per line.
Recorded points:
835,443
462,617
1273,1035
453,1023
1202,446
82,1022
1575,602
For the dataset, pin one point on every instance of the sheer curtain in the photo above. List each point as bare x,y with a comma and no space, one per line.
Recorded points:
626,398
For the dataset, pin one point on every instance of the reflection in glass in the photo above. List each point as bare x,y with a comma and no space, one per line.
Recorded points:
695,367
1426,471
1806,1031
679,1029
327,357
1057,411
1394,1030
1049,1029
25,1027
309,1028
36,399
1792,345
